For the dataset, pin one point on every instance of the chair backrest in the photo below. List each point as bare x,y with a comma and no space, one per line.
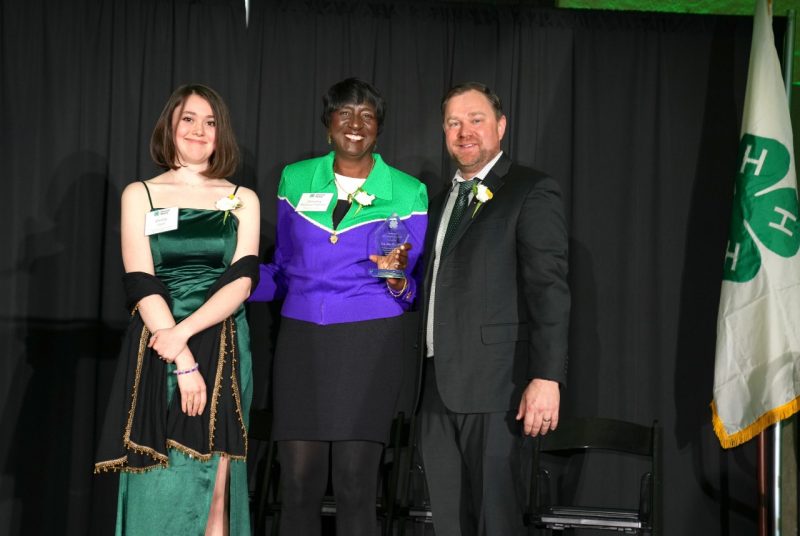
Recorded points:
575,435
600,433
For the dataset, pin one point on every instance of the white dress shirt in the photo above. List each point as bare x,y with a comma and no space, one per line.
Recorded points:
448,209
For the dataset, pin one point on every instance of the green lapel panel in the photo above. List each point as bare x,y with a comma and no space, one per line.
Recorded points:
316,176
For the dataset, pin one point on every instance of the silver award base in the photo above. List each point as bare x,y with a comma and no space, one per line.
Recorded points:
386,273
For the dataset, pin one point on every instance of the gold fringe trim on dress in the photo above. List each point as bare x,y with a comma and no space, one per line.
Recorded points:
171,443
162,461
143,338
120,464
767,419
235,387
227,345
212,419
146,451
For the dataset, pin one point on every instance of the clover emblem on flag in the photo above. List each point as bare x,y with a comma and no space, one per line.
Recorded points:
762,208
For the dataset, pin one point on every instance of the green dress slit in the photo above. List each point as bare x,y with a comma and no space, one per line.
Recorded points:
176,500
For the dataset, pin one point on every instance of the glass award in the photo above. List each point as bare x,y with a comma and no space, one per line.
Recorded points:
389,235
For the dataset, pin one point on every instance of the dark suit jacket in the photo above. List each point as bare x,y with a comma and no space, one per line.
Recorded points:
502,300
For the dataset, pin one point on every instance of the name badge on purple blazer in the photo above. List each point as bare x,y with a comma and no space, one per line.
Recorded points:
314,202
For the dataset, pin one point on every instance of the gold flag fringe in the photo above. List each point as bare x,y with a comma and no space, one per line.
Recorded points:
764,421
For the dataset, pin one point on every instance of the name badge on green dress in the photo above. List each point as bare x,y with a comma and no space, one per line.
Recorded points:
160,220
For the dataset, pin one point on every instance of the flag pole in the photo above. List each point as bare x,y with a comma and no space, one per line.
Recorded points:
763,507
757,345
777,491
788,55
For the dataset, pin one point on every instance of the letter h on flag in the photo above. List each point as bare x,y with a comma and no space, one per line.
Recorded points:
757,373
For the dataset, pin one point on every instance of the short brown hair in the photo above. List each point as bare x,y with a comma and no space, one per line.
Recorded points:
223,161
462,88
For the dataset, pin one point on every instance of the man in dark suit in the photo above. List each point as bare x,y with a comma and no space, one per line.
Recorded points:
496,318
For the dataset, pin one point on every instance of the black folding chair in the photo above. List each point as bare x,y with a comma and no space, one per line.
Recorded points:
580,436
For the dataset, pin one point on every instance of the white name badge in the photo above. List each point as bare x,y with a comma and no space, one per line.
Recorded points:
314,202
160,220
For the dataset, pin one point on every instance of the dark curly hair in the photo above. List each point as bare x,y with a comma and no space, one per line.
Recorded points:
352,91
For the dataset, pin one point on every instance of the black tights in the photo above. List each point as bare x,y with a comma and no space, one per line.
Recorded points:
304,477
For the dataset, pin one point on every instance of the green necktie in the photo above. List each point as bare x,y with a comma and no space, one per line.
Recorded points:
464,189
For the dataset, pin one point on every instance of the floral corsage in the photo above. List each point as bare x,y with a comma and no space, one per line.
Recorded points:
362,198
228,203
482,195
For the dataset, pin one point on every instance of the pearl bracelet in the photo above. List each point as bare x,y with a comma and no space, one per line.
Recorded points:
186,371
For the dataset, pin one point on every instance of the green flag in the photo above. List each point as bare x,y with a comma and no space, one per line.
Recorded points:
757,369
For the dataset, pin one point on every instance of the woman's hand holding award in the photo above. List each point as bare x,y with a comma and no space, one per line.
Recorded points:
388,249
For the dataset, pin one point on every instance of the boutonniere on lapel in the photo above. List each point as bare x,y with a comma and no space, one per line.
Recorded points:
228,203
362,199
482,195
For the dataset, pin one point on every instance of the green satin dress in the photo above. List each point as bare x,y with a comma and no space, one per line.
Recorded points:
176,500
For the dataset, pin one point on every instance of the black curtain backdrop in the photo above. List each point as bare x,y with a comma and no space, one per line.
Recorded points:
637,115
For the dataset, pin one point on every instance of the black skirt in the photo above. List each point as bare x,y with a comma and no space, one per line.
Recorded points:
337,382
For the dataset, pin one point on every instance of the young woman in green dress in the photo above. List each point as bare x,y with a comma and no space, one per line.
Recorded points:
189,246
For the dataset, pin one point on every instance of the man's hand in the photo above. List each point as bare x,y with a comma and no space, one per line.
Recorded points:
539,407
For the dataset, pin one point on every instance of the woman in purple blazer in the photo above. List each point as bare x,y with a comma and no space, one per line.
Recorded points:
338,363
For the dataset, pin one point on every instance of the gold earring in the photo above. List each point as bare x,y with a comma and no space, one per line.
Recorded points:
329,139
